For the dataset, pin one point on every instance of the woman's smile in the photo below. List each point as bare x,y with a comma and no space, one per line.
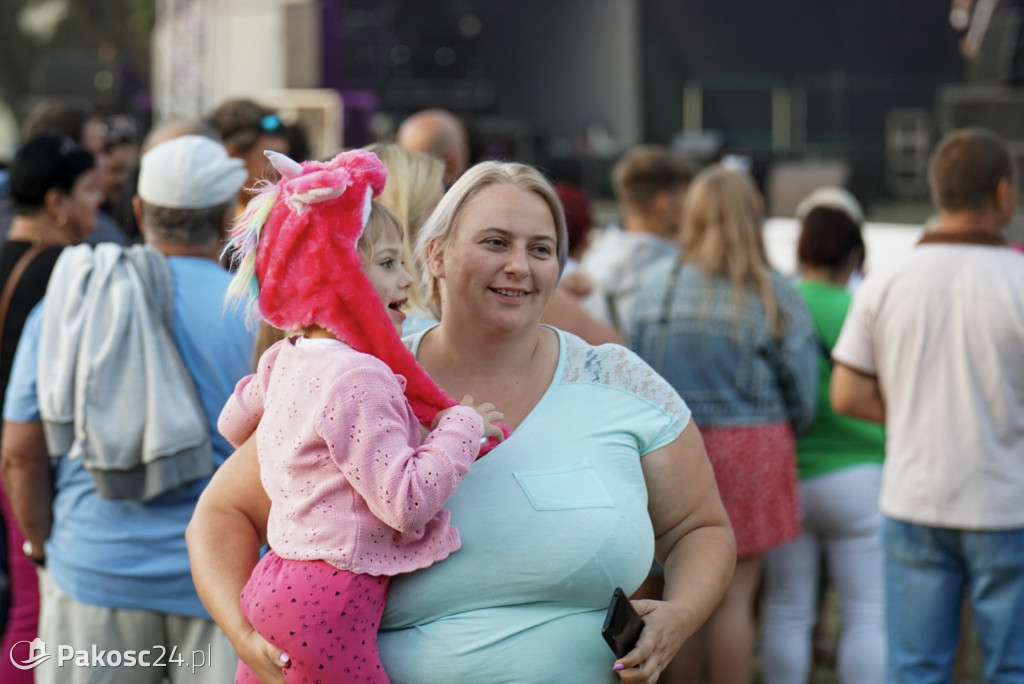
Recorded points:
504,247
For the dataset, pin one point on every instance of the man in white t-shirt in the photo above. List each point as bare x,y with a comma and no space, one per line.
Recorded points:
934,348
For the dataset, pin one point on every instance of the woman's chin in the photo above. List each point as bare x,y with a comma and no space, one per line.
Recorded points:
511,321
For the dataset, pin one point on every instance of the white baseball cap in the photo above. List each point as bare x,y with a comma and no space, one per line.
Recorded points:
190,172
831,198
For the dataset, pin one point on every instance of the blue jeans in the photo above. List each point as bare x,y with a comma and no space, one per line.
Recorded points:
927,570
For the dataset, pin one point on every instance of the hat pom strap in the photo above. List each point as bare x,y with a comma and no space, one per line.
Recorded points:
242,245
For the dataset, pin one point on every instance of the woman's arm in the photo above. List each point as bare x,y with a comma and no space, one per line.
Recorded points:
695,544
228,528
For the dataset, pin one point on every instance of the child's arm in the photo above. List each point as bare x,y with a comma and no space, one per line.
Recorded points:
367,429
242,411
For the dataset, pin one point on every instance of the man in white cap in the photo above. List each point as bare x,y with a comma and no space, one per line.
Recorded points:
141,356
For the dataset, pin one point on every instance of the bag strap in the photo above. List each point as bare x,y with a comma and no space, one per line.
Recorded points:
20,266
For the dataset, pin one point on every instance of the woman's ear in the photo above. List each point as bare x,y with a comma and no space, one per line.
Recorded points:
54,201
435,259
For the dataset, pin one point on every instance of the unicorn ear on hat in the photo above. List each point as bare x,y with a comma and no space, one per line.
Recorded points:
285,165
310,184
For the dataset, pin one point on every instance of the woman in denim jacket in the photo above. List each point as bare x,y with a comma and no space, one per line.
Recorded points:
736,341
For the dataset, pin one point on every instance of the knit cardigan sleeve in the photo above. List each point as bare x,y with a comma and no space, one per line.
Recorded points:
372,434
242,411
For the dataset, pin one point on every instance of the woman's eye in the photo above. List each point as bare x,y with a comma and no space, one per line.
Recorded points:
493,242
543,250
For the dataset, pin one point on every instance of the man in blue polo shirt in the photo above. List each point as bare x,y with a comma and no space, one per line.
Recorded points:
138,350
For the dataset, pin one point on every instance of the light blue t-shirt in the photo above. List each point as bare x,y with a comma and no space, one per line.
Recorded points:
129,554
551,521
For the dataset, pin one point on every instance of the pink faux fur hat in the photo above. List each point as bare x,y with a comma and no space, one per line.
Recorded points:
296,255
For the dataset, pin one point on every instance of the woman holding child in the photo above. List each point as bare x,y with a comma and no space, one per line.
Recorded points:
602,470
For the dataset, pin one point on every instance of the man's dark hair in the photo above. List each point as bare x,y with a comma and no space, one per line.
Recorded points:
827,238
966,168
645,172
43,163
184,226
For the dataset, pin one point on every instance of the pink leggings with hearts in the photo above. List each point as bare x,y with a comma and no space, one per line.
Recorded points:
324,618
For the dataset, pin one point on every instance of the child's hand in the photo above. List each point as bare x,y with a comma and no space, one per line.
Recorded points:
486,411
490,416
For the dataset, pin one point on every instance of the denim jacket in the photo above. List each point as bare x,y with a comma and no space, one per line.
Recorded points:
722,359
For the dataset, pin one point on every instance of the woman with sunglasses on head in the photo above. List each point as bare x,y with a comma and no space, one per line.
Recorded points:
56,196
247,129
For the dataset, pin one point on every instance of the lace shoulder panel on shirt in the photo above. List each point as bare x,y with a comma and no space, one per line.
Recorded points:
616,366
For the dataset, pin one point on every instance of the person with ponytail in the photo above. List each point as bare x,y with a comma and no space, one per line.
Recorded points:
735,340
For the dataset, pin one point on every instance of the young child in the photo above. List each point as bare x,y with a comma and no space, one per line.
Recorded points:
355,497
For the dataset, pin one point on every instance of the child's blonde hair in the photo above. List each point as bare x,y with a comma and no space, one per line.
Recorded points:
414,187
382,222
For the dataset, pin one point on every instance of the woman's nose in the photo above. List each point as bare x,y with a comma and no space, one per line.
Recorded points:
517,263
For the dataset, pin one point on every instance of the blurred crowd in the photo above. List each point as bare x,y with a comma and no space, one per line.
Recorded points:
866,430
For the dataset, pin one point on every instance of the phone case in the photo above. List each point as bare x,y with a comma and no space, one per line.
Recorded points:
622,625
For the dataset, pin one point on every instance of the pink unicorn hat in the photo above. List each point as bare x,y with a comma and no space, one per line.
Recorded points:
295,248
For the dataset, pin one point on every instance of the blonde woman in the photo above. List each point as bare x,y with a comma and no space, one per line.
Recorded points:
735,340
414,187
603,469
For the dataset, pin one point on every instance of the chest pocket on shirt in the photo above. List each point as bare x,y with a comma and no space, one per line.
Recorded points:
563,489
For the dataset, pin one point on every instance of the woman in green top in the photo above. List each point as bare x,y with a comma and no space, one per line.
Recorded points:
839,462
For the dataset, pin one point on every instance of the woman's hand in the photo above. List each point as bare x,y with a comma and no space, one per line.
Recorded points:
224,537
263,658
693,541
662,635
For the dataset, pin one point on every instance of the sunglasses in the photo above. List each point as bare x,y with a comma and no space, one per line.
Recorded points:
271,125
120,130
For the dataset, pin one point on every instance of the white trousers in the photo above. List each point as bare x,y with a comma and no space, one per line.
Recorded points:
840,520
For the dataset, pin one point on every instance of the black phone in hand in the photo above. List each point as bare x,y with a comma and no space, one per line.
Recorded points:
622,625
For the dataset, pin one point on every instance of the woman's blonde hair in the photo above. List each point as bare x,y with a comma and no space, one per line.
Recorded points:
721,236
415,182
440,226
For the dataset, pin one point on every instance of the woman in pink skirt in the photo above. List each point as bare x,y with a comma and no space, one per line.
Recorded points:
736,341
